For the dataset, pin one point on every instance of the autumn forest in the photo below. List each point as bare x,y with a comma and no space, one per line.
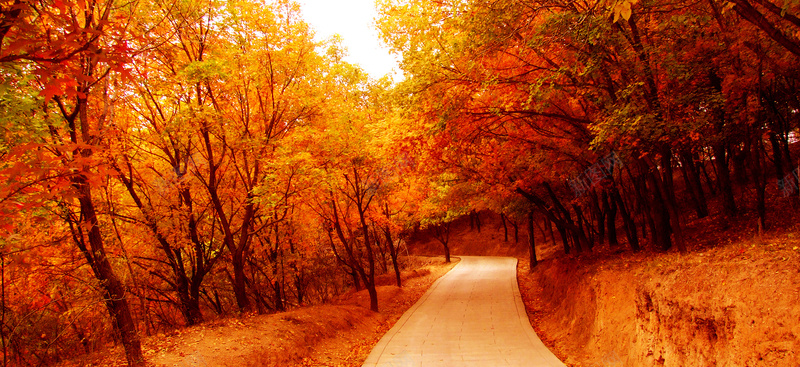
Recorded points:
166,163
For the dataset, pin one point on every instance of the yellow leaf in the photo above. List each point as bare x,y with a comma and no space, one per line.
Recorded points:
623,9
626,10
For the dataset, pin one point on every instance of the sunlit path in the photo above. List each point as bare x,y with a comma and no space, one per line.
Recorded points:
473,316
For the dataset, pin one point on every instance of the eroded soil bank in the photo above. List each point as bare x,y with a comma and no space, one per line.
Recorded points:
730,305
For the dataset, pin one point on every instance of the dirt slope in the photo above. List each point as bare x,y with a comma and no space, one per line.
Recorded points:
718,307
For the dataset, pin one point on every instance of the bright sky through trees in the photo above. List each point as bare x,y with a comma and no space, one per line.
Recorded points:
353,20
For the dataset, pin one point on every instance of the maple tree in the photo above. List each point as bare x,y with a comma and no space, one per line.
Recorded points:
394,149
237,117
352,183
265,109
72,49
157,155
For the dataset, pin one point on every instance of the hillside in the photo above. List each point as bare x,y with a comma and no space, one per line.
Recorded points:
733,300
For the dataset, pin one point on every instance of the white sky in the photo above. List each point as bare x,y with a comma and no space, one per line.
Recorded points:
353,20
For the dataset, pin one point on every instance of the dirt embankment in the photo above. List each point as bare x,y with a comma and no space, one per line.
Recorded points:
737,305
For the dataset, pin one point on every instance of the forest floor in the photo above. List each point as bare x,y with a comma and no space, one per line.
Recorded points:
338,334
732,300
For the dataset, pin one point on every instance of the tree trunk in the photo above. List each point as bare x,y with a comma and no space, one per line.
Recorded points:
382,251
240,281
724,180
190,308
660,211
279,305
712,187
356,280
600,215
794,169
442,234
792,178
691,176
113,290
739,156
564,238
505,227
584,228
362,200
777,156
236,247
475,219
670,218
552,215
667,182
627,219
369,278
639,188
373,295
751,14
300,286
215,301
610,208
578,236
516,231
758,163
668,189
531,241
393,254
187,289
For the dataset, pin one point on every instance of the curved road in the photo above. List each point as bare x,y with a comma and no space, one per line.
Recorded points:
472,316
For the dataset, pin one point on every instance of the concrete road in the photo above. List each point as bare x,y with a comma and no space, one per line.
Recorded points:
472,316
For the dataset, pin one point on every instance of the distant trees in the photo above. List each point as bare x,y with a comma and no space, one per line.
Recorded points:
587,111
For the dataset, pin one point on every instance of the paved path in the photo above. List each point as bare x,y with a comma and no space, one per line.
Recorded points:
472,316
